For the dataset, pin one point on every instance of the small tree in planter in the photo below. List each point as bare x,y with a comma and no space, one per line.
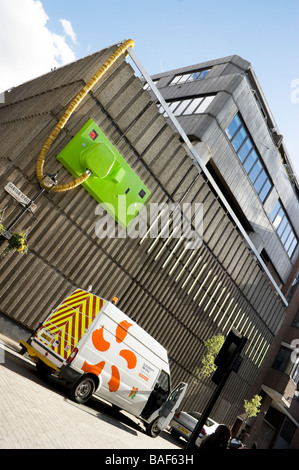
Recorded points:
208,367
16,242
252,407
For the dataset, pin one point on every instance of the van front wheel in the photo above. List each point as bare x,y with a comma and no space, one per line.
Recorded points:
83,389
152,429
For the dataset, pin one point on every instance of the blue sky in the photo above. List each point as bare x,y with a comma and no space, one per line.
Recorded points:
168,34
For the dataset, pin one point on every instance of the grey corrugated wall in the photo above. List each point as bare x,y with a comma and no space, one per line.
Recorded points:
182,297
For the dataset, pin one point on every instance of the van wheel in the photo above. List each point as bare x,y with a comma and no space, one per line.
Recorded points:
152,429
82,390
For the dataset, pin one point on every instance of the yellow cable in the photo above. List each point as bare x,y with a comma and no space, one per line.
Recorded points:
63,120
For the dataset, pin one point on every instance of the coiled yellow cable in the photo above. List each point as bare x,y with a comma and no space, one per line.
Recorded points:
67,114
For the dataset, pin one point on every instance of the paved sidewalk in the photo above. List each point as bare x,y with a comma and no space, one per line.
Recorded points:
37,414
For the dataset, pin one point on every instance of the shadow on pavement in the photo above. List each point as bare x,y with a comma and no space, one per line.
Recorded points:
100,409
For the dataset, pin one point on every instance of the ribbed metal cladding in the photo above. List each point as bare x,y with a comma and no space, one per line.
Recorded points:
180,296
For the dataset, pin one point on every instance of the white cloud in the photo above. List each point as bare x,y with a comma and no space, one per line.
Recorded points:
68,29
28,48
64,54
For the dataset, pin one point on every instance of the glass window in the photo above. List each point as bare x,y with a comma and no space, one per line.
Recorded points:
178,111
288,430
190,106
193,105
163,382
175,80
243,145
204,73
265,191
289,240
260,181
184,78
148,87
283,361
194,76
250,161
274,211
240,137
278,219
286,233
189,77
204,104
292,247
295,373
233,127
254,173
282,226
245,149
173,105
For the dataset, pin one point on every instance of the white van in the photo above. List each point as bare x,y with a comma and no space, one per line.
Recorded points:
97,349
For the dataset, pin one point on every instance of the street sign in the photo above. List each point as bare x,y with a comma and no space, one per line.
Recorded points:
19,196
6,234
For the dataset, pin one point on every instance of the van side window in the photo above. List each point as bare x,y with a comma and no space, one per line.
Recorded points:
163,383
158,396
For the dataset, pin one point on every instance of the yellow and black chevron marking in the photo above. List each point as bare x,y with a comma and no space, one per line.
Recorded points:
69,322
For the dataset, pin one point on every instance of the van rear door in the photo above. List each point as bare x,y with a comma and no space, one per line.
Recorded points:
66,325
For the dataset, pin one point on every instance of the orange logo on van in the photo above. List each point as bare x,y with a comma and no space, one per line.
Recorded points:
133,392
102,345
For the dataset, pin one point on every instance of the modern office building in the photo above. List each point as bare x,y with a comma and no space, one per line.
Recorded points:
222,109
223,153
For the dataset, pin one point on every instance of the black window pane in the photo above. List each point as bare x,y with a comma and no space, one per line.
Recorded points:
282,361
